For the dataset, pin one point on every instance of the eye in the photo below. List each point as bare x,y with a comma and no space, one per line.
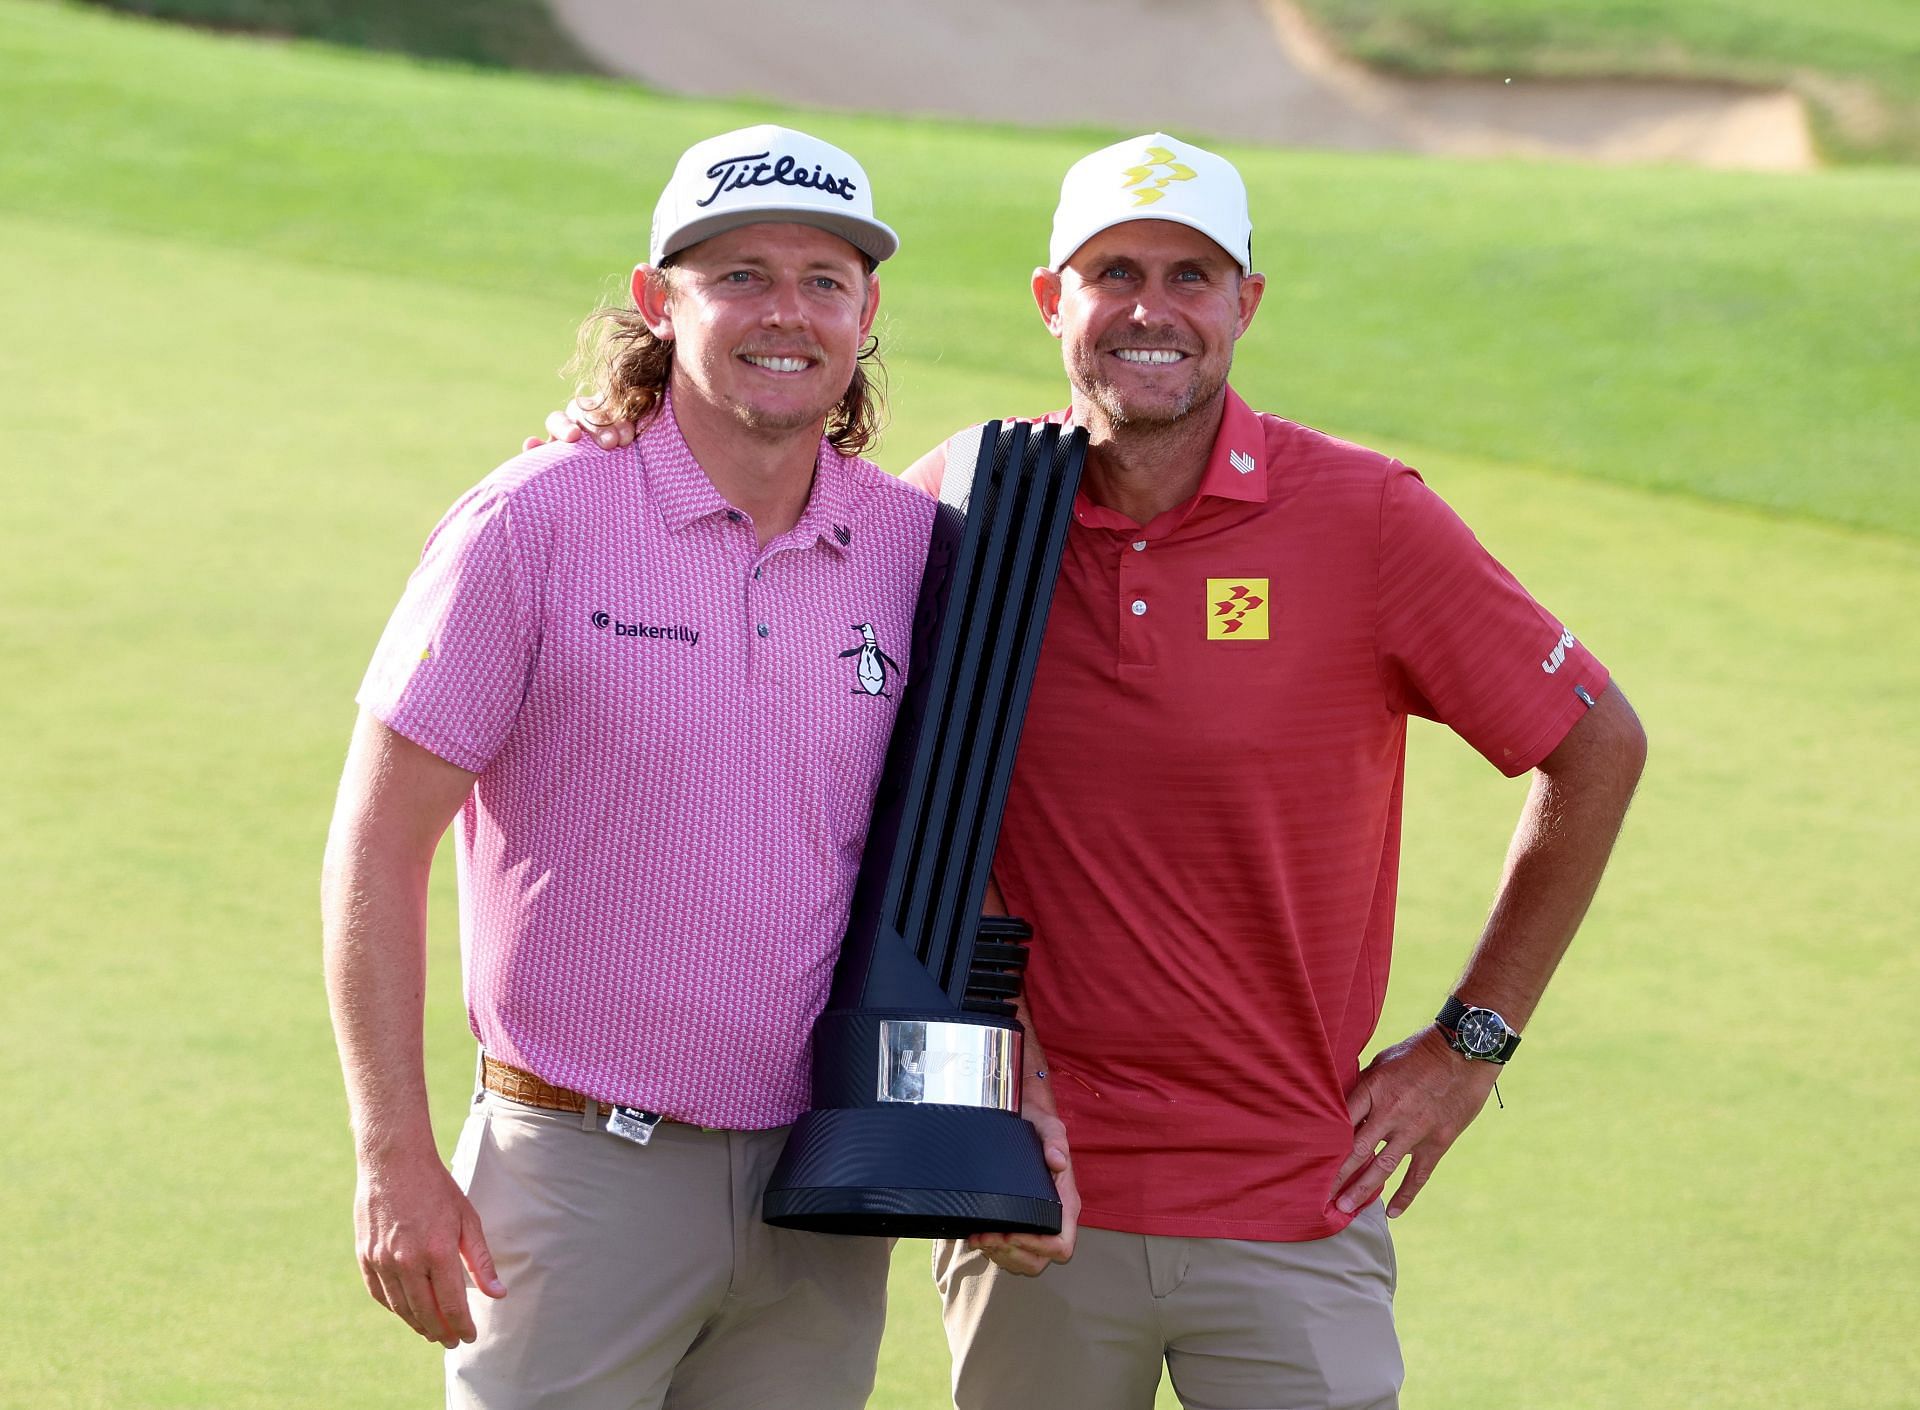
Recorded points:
827,282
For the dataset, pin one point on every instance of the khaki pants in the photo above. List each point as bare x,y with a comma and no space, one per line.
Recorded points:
642,1277
1241,1325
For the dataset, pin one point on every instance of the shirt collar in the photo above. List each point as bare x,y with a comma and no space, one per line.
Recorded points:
1237,468
828,516
684,495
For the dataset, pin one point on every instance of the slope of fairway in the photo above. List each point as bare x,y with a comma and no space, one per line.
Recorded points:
1742,337
1858,59
268,310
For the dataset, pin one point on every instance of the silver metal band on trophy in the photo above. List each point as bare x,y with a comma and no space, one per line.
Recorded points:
953,1064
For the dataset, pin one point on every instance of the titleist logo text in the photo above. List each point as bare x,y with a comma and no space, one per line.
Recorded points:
751,169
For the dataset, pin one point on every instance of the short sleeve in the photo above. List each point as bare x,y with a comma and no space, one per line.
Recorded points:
1462,642
453,665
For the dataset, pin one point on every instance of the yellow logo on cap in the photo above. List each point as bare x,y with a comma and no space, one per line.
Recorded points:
1157,157
1236,609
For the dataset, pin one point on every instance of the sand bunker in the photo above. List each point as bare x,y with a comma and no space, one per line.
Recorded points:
1248,69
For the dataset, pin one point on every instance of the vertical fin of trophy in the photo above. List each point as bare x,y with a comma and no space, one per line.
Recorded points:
915,1128
951,895
1009,639
975,603
1051,488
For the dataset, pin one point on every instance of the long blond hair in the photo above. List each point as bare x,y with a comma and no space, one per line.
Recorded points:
620,360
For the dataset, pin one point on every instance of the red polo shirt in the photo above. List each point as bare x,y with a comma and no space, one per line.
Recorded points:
1204,822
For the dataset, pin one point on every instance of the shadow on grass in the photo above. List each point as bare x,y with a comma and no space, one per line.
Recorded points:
518,34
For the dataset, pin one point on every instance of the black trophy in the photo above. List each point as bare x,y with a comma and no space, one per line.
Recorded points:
915,1129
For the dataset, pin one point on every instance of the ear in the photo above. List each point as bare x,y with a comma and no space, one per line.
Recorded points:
1046,293
873,305
653,297
1252,287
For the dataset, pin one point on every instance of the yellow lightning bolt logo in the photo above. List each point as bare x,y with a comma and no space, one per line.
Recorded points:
1157,157
1237,609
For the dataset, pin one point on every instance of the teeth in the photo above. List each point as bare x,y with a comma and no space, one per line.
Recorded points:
779,364
1148,355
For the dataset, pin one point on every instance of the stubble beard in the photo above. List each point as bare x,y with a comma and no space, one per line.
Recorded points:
777,422
1119,413
762,421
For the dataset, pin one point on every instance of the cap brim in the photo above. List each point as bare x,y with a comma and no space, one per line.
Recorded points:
874,240
1172,217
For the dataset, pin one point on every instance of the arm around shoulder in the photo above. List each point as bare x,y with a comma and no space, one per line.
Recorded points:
928,471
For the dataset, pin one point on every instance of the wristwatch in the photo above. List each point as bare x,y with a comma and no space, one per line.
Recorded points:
1479,1035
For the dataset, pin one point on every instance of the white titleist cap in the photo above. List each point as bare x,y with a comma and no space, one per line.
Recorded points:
1156,177
766,173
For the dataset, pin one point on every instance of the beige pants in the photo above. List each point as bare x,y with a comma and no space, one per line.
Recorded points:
641,1276
1240,1325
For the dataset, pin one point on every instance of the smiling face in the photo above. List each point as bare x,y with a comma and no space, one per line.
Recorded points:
766,322
1147,313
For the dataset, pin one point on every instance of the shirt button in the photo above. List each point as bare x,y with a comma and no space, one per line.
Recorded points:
762,628
756,575
1139,607
1139,545
735,515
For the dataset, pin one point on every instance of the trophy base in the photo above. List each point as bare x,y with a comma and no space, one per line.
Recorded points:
914,1172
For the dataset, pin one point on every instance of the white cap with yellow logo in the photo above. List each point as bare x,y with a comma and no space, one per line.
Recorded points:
1156,177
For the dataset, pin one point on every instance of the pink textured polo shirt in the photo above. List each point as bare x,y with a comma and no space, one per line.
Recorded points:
1204,821
677,739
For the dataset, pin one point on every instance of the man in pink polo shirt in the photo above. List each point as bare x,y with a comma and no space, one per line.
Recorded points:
1251,610
629,678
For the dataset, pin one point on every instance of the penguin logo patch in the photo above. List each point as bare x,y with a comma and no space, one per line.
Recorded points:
870,671
1237,609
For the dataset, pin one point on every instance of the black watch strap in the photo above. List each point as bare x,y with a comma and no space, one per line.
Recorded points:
1452,1011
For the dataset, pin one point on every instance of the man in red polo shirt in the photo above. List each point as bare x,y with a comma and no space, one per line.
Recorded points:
1250,610
1247,614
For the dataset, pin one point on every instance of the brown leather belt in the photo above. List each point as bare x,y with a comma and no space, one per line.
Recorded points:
518,1085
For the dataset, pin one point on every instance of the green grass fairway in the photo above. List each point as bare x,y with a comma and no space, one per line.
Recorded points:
268,309
1745,337
1859,60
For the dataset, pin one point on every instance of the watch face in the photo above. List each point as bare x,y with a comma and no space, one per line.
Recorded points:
1482,1031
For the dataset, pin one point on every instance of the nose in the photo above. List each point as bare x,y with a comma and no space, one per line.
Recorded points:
785,307
1149,306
